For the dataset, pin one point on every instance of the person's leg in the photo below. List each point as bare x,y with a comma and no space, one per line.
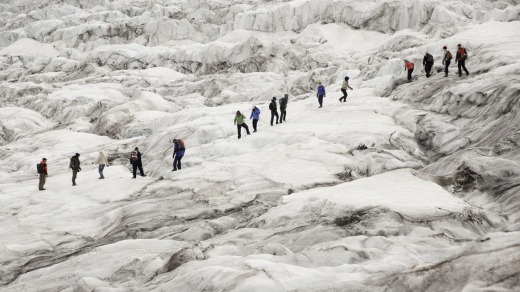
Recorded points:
179,162
272,117
101,168
134,168
244,125
459,66
74,175
320,100
344,97
276,115
44,179
239,131
464,66
428,69
446,66
255,122
175,162
41,181
140,165
281,116
410,74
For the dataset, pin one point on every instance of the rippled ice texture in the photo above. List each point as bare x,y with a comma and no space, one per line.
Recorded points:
405,187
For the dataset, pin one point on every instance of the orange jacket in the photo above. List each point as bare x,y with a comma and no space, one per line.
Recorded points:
461,53
408,65
44,167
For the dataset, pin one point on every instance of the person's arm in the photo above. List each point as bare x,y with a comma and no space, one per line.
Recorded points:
251,116
349,86
235,121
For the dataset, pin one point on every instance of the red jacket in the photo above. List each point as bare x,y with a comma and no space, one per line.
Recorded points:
408,65
461,54
44,167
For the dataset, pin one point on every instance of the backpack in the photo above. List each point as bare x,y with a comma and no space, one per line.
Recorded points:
39,168
271,106
465,56
429,58
134,156
449,56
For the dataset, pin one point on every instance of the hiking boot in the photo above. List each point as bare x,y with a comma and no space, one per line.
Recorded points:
445,75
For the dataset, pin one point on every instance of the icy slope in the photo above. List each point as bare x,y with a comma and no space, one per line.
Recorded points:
406,187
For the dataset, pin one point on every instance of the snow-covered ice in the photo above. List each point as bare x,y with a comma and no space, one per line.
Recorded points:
405,187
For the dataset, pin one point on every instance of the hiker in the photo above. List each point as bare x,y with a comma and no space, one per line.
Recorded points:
75,166
102,161
239,122
460,58
321,93
344,89
42,171
178,153
283,107
428,63
135,160
255,115
408,66
446,60
274,110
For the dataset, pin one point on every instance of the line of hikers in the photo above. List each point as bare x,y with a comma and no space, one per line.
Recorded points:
102,161
460,58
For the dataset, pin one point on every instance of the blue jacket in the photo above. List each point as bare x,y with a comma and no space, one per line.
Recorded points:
321,90
255,114
178,151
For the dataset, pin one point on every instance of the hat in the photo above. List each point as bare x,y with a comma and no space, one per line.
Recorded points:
444,48
77,154
458,45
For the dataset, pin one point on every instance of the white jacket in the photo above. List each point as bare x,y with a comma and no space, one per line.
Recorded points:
101,159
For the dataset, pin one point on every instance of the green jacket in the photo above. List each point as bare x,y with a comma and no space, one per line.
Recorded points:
239,120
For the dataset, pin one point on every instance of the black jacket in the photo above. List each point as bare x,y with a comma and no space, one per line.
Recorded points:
426,57
74,163
138,161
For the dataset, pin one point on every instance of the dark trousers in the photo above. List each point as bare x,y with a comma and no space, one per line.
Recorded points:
135,166
320,100
410,74
428,68
345,94
462,65
274,114
283,114
74,176
100,170
239,129
446,65
177,162
41,183
255,122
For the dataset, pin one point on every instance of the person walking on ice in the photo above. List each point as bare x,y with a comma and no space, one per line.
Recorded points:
178,153
320,94
408,66
428,64
42,172
135,160
75,166
446,60
344,88
102,161
460,58
255,115
274,110
283,107
239,122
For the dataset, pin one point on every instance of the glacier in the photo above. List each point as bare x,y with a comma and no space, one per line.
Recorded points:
405,187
